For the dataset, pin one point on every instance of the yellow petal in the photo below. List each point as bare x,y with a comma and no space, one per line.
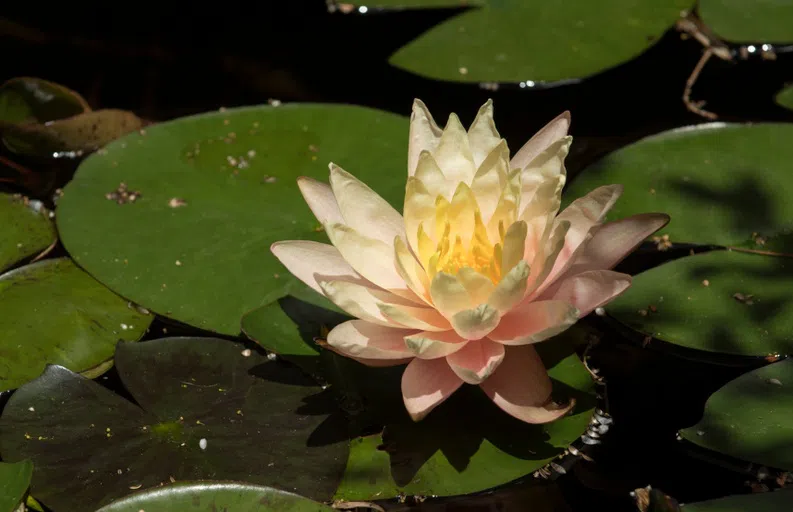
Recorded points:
431,176
424,134
482,134
419,208
363,209
514,245
454,153
507,208
449,295
462,214
491,178
478,286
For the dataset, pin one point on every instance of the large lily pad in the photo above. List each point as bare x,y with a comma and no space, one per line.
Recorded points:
516,40
436,456
720,301
785,97
721,184
261,422
205,496
14,482
25,229
758,21
750,418
214,192
778,501
53,312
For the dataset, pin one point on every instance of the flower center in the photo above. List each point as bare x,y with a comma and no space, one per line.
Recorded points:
479,254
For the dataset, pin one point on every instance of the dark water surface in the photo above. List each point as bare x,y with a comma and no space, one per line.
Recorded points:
173,62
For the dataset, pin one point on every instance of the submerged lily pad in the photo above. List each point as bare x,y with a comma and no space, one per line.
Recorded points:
464,446
14,482
775,501
721,184
33,100
225,496
750,418
53,312
516,40
208,410
212,193
25,229
785,97
758,21
721,301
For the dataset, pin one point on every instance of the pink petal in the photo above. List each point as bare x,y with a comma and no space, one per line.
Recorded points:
477,360
548,134
522,388
312,262
615,240
426,383
432,345
589,290
320,199
359,339
534,321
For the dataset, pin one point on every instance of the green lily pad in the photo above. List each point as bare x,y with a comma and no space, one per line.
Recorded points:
750,418
776,501
515,40
261,422
720,301
27,99
226,496
215,191
785,97
53,312
721,184
71,137
14,483
25,229
758,21
435,456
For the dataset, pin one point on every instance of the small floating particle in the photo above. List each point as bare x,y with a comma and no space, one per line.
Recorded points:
463,70
251,153
178,264
662,243
32,409
124,327
700,432
142,131
705,282
175,202
246,353
222,109
643,312
652,191
313,148
202,443
744,299
274,102
269,179
776,382
119,472
276,276
239,412
135,488
226,121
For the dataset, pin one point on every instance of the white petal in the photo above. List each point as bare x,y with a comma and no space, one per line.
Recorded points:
548,134
449,295
413,317
424,134
589,290
474,324
360,339
312,262
321,200
490,179
511,289
362,301
432,345
454,155
482,134
411,271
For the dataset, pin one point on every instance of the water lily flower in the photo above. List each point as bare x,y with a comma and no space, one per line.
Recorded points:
480,265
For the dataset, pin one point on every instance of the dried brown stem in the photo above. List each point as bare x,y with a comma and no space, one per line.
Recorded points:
696,106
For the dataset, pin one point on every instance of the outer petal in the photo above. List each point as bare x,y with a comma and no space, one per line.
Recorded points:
522,388
363,209
473,324
615,240
424,134
454,155
422,319
491,178
419,209
482,134
545,259
312,262
477,360
321,200
371,258
432,345
449,295
548,165
550,133
356,338
426,383
589,290
512,288
362,301
534,321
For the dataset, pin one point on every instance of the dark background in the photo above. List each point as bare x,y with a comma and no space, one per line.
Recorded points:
168,61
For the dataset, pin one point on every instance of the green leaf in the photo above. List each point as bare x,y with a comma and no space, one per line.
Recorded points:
25,229
263,422
758,21
53,312
775,501
785,97
27,99
226,496
516,40
216,190
14,483
750,418
71,137
720,301
721,184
